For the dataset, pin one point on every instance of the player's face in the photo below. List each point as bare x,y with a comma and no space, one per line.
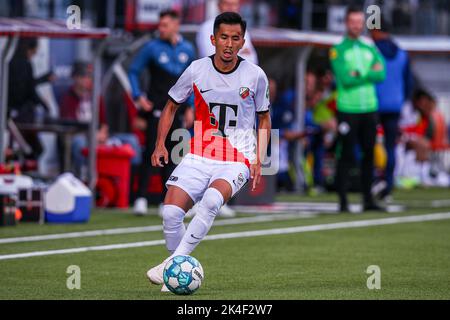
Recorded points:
355,24
168,27
229,5
228,41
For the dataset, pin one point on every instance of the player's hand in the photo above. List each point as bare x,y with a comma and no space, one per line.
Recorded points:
160,157
377,67
255,174
102,134
355,73
139,124
144,104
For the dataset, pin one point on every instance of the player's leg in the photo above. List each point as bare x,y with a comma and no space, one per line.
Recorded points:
347,130
390,126
218,193
226,181
367,138
145,170
177,202
186,185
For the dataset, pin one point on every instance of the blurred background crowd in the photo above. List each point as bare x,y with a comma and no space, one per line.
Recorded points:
52,78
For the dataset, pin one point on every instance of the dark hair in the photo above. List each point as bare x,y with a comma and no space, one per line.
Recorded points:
422,93
82,69
353,9
170,12
28,43
229,18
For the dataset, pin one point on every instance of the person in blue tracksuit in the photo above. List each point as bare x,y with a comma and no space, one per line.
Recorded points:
166,58
392,94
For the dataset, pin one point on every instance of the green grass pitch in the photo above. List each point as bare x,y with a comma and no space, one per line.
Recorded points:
414,258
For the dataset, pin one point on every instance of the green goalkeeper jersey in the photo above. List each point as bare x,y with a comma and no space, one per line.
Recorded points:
353,64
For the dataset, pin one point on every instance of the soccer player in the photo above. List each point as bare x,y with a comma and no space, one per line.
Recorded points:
205,49
224,152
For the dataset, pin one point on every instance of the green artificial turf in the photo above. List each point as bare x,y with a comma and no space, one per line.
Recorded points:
414,259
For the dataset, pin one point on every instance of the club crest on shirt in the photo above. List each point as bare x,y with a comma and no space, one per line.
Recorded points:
244,92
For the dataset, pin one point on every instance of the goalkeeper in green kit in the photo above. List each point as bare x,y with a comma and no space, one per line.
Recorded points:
357,67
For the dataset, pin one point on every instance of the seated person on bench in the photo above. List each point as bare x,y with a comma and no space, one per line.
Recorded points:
76,105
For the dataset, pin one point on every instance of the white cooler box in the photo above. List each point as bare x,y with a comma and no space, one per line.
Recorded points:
12,183
68,200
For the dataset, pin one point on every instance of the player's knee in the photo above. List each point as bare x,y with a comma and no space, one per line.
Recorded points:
172,214
212,200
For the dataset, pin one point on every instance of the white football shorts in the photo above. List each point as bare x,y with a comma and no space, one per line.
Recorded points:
195,174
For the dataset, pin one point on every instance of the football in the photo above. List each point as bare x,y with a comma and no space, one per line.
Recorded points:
183,275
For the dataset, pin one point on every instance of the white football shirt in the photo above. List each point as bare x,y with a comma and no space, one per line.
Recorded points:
225,108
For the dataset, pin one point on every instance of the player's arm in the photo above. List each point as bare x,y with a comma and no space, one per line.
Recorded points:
164,125
264,127
137,66
348,78
378,71
178,94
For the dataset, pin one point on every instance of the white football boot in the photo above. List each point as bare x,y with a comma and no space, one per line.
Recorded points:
164,288
155,274
227,212
140,206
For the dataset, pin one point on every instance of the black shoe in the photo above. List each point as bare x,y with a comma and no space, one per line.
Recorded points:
383,194
373,207
343,208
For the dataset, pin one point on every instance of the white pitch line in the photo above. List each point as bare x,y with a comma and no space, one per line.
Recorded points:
244,234
106,232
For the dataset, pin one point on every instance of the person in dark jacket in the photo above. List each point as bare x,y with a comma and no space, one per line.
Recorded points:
392,94
165,57
22,96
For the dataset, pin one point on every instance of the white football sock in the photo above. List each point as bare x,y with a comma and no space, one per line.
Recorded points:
199,227
173,226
